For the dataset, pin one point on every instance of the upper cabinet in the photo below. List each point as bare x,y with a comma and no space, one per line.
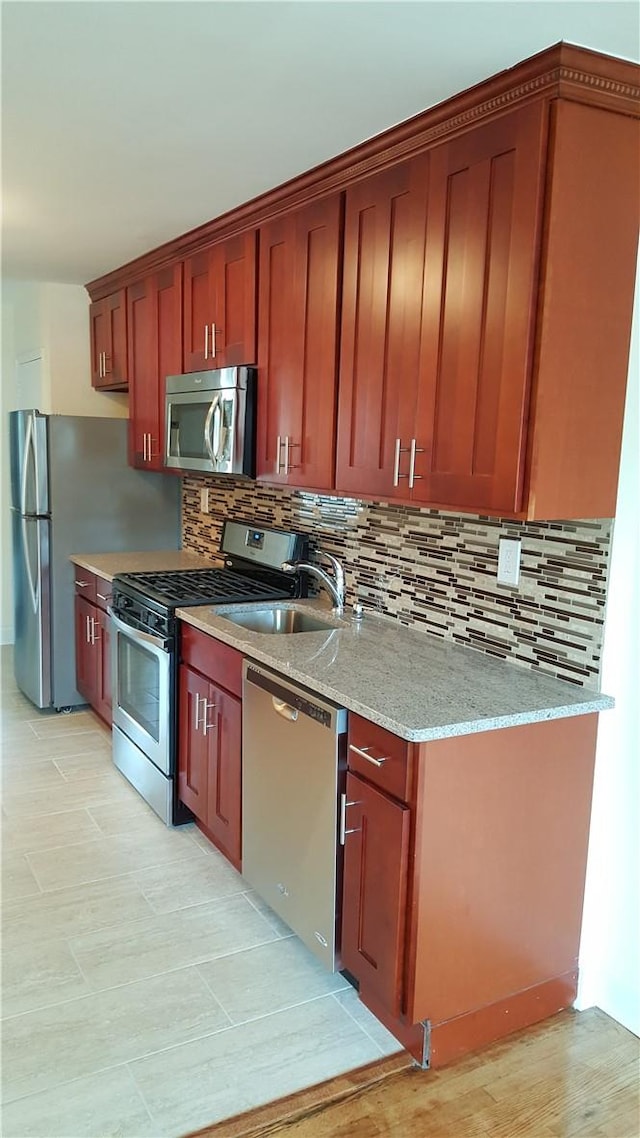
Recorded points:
297,345
220,305
486,315
443,313
382,316
108,333
154,320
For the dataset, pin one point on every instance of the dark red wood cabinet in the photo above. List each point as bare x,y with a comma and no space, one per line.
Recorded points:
154,322
210,739
479,301
375,891
437,320
297,345
464,869
382,316
220,305
92,642
108,342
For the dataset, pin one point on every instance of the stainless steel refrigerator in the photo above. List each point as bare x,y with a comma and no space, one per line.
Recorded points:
72,492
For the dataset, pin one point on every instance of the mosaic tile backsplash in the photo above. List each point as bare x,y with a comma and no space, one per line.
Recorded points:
437,571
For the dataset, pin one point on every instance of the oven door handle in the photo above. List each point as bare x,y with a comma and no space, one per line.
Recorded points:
137,634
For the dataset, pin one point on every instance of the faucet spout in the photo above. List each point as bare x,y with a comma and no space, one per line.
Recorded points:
334,585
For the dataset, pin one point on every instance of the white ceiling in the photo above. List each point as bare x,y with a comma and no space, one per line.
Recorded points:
128,123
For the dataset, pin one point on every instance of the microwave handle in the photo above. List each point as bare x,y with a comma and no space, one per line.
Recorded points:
208,424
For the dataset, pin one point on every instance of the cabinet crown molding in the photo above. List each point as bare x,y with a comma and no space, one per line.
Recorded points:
563,71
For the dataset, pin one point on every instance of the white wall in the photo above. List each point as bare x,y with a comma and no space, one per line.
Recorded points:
610,947
45,364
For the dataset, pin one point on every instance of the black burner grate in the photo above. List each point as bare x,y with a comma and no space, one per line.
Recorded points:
184,587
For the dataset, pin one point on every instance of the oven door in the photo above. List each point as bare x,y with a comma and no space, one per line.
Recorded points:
142,691
204,431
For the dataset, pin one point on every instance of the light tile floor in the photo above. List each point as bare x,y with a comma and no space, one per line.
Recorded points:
146,991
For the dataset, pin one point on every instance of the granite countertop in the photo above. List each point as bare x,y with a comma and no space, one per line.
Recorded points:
414,684
153,560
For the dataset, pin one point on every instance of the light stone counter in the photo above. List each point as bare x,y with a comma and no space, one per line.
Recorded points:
414,684
151,561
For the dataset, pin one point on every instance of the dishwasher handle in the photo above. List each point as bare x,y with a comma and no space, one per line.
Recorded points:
291,701
284,709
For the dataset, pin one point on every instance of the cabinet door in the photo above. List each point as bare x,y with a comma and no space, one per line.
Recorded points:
98,337
102,648
297,342
108,335
198,311
382,306
142,373
193,743
220,305
154,321
375,892
86,668
483,237
223,727
232,322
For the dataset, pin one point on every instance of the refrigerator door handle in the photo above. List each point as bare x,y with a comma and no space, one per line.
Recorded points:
28,450
34,589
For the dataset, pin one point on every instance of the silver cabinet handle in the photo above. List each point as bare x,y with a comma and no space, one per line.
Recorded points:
343,819
286,454
206,341
398,450
144,448
82,584
87,633
94,639
362,752
104,597
414,450
196,721
150,454
213,341
206,726
278,449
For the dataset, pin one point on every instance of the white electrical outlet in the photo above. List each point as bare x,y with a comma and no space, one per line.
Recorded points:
204,499
509,560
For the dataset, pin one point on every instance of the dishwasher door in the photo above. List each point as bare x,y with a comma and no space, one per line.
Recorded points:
293,765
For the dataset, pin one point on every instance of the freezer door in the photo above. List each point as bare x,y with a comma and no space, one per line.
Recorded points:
29,462
32,652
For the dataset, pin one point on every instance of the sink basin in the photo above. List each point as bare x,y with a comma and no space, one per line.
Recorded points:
276,619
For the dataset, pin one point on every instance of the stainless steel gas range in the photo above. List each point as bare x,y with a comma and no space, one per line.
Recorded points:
145,648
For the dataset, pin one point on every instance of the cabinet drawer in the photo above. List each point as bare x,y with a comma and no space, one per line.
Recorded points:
213,659
85,583
104,589
381,757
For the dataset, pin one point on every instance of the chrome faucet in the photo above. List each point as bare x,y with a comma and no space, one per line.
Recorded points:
334,585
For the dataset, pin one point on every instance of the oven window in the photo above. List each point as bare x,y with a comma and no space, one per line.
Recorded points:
139,685
186,432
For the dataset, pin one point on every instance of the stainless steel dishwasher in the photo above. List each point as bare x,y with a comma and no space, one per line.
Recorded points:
293,757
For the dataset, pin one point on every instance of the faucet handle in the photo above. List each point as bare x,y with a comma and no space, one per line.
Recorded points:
358,610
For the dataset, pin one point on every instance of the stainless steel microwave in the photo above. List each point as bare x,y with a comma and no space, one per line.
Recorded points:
211,421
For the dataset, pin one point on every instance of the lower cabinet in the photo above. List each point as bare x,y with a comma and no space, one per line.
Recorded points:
210,739
375,888
93,658
464,870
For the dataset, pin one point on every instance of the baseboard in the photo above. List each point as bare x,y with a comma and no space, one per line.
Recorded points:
456,1037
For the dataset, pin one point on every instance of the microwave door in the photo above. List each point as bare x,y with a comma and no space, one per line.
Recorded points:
186,446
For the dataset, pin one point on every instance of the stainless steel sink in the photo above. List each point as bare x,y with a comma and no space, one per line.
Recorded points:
276,619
